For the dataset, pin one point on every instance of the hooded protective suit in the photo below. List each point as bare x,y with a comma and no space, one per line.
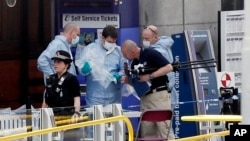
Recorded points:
44,62
102,87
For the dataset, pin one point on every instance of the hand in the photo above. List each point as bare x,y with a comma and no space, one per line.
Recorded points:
75,117
176,66
117,76
124,79
144,78
86,69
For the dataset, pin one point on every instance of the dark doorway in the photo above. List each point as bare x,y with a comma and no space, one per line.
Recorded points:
25,30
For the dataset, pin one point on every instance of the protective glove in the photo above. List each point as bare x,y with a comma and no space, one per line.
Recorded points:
176,66
117,76
86,69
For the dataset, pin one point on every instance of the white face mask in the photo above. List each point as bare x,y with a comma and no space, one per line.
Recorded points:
145,43
108,46
75,41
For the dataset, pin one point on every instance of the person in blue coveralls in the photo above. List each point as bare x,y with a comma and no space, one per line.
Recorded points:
64,41
163,44
157,97
102,64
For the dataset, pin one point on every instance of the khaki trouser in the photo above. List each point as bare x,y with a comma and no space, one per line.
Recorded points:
157,100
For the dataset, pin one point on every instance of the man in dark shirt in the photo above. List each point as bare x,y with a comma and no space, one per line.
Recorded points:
157,97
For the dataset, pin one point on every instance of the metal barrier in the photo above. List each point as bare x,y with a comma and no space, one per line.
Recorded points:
211,119
43,118
203,137
10,124
29,128
73,126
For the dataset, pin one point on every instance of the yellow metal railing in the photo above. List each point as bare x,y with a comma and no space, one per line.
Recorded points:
209,118
203,137
68,121
73,126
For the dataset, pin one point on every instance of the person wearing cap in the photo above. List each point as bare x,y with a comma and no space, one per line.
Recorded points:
102,64
62,87
63,92
163,44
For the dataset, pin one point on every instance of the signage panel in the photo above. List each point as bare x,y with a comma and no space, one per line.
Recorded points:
92,20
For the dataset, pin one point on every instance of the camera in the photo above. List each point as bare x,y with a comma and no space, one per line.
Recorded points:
230,101
228,92
138,69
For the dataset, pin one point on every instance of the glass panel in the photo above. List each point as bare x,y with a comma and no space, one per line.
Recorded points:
24,120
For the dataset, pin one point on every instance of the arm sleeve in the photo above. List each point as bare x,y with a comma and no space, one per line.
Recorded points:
122,61
156,59
75,91
81,59
44,62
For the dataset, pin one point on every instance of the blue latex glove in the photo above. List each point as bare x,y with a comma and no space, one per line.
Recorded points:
86,69
117,76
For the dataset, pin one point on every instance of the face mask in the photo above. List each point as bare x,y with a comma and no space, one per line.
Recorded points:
75,41
145,43
109,46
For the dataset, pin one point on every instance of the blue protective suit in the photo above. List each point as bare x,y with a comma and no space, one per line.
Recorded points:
102,87
44,62
163,45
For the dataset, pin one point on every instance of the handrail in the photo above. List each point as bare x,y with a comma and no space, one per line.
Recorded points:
203,137
73,126
68,121
206,118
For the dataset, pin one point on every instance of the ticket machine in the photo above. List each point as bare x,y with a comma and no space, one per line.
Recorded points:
197,88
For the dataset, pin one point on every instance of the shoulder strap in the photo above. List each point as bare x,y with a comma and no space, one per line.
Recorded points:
63,77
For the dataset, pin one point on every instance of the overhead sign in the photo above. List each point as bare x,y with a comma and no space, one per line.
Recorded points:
92,20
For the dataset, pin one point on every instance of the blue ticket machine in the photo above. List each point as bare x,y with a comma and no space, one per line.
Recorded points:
197,88
185,91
